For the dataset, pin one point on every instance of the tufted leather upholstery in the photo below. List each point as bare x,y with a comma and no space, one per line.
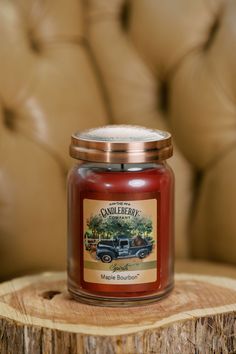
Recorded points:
69,65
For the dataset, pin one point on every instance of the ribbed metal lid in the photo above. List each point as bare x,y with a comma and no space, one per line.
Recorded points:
121,144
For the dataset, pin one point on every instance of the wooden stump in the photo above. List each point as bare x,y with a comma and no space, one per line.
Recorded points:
37,316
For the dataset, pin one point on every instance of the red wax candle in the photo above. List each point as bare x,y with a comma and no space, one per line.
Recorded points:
120,216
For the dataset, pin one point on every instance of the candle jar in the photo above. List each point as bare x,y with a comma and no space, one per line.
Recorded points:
120,216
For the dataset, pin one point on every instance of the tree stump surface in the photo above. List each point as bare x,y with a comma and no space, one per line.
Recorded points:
37,316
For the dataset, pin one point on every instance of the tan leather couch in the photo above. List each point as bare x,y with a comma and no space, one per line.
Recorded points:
67,65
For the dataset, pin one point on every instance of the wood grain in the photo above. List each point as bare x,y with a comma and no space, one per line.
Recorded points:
38,316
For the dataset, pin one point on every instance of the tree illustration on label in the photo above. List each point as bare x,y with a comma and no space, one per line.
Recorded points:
118,233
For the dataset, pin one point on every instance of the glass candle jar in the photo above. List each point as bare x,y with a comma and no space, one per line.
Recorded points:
120,216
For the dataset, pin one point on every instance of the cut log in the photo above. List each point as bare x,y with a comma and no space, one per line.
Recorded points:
38,316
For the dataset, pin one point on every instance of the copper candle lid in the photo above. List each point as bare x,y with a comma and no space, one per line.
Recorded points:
121,144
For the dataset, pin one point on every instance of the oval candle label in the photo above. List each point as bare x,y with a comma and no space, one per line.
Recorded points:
120,241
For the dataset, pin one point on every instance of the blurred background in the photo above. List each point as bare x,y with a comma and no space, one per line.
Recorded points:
68,65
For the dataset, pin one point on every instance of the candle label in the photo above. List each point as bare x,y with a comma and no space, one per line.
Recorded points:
120,241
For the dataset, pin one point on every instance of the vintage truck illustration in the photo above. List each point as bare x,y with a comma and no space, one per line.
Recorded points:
123,247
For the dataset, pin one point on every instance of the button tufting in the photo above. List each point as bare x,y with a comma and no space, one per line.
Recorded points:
125,13
8,117
212,34
163,95
34,44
